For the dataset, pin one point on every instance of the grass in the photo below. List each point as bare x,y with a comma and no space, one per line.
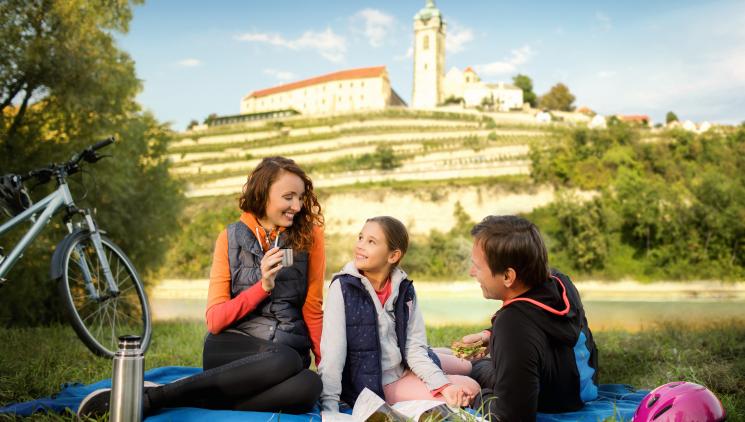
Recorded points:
37,361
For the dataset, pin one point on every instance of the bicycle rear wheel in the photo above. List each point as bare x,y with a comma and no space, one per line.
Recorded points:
98,316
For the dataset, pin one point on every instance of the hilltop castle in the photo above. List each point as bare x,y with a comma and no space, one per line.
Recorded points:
370,89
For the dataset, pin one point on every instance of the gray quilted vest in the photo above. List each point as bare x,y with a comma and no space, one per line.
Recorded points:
278,318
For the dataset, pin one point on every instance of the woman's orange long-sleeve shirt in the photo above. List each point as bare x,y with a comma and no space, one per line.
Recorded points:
222,311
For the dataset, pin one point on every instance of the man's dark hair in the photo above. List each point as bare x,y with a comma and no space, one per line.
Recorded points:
513,242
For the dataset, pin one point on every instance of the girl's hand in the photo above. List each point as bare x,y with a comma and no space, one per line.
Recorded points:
456,396
270,266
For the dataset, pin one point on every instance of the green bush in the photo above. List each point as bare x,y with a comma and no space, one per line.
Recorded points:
671,208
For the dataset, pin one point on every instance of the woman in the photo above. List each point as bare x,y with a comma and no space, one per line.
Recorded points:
263,318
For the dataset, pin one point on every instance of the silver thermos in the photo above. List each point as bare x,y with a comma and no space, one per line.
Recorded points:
127,381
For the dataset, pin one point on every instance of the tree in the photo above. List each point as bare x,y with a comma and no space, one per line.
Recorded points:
670,117
63,85
558,98
208,120
191,124
386,158
526,84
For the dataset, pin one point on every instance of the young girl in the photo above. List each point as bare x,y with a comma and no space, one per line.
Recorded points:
263,318
373,330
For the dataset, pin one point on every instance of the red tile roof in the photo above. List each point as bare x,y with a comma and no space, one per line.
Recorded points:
469,69
634,117
363,72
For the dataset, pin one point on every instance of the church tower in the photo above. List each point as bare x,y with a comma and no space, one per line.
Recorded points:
429,57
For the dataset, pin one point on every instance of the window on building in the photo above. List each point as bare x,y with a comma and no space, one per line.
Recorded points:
362,84
339,84
425,43
425,66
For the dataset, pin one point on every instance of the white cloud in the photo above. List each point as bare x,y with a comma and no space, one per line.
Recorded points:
327,43
603,21
508,65
605,74
280,74
457,38
189,63
377,25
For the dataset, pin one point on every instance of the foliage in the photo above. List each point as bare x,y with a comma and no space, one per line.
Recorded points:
442,255
452,99
65,84
526,84
670,117
558,98
208,120
384,158
675,205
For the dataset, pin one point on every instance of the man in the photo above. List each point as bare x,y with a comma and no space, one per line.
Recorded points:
542,355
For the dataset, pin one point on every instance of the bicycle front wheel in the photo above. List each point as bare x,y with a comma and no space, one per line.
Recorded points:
98,314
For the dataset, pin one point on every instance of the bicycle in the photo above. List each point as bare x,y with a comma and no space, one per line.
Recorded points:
101,291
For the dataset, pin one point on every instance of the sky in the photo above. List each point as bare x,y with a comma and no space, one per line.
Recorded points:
617,57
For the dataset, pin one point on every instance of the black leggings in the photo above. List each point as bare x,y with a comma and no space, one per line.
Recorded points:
242,373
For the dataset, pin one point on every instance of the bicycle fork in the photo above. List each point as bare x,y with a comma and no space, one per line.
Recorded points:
95,236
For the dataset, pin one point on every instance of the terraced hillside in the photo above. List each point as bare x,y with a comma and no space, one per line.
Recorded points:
438,172
394,145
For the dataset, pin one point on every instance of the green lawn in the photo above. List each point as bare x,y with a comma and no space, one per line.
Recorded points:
36,362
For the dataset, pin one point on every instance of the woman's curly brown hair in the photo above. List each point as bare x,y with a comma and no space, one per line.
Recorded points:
256,194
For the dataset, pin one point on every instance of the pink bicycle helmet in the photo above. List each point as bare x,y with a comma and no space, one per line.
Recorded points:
680,402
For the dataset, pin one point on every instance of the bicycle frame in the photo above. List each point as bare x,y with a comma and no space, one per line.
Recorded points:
49,206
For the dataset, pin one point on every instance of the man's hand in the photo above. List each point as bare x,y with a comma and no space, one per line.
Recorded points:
270,266
475,339
456,396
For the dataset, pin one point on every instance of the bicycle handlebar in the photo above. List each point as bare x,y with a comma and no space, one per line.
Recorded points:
106,142
44,174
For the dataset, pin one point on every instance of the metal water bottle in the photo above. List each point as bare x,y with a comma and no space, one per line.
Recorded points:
127,381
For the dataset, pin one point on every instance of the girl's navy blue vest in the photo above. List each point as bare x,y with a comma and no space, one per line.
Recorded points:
362,368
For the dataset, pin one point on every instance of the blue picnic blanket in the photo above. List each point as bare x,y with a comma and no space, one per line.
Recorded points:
615,400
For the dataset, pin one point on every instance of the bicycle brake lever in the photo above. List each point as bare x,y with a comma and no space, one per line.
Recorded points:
99,157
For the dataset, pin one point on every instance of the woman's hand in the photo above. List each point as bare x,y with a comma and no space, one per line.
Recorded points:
456,396
270,266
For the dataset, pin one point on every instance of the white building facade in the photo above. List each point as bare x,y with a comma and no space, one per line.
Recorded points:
468,87
429,57
344,91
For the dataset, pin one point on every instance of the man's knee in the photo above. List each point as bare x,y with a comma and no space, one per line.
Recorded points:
483,372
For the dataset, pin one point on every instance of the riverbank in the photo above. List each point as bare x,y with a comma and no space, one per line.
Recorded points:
627,305
590,290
